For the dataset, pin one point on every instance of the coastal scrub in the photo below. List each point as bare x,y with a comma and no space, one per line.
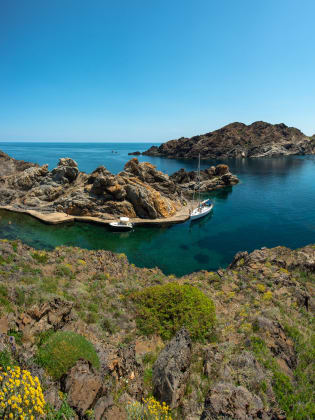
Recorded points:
62,350
164,309
21,395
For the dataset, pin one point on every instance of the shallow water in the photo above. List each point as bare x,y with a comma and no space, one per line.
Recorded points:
274,204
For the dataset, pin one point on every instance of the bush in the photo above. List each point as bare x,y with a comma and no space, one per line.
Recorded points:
62,350
21,395
40,257
164,309
151,409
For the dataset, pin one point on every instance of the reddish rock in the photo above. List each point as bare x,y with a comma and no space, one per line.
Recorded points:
83,385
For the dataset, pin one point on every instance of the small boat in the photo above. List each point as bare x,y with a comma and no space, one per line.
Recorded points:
202,210
122,225
204,207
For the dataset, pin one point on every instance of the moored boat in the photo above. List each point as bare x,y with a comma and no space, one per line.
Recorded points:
204,207
122,225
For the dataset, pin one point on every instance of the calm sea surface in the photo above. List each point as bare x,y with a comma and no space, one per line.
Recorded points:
274,204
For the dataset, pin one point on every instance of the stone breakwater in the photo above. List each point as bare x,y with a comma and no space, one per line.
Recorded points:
259,139
140,191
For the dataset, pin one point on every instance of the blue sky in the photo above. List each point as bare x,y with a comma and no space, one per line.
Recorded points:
145,70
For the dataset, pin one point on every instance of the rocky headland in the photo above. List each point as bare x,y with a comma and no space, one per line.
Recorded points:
139,191
259,139
102,335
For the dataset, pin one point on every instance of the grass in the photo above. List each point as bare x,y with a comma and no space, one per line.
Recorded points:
62,350
164,309
5,359
296,399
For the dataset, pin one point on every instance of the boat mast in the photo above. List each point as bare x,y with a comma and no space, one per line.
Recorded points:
199,180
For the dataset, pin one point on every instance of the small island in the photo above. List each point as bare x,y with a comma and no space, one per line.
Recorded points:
140,191
238,140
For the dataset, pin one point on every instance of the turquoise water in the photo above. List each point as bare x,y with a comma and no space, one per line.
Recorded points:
274,204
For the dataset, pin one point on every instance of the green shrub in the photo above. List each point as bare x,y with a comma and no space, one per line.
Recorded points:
62,350
40,257
5,359
164,309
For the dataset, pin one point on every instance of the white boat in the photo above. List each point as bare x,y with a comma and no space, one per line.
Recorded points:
122,225
204,207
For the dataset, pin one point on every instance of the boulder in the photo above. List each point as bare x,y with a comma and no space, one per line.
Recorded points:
30,176
66,171
83,386
171,369
221,169
226,400
122,365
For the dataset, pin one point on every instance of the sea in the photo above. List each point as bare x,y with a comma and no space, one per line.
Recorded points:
273,205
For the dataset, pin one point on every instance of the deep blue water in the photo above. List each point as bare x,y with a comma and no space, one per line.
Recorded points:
274,204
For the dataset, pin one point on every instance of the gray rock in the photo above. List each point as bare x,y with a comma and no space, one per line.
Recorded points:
226,400
171,369
66,171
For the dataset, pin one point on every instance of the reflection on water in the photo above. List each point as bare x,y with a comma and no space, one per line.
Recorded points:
274,204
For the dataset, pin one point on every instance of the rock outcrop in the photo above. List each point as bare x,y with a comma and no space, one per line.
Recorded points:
83,386
229,401
210,179
259,139
171,370
140,190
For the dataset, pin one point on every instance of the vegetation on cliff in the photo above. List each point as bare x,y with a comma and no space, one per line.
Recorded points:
257,360
164,309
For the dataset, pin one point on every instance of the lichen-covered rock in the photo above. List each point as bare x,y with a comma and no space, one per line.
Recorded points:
171,369
226,400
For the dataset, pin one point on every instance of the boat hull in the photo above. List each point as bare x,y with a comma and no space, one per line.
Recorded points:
118,227
202,212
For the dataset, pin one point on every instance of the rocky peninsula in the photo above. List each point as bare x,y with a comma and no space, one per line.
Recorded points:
259,139
102,335
140,191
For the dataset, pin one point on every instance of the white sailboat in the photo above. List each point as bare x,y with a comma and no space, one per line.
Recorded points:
204,207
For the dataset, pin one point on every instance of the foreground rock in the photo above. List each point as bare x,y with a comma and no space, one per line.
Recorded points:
171,370
259,139
228,401
83,386
140,190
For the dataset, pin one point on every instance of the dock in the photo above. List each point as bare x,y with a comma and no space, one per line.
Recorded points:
56,218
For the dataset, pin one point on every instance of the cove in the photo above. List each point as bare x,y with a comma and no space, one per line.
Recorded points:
274,204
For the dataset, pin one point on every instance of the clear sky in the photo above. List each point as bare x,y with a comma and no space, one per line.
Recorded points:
152,70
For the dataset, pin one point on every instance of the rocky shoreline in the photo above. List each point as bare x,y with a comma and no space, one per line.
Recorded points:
254,362
140,191
238,140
